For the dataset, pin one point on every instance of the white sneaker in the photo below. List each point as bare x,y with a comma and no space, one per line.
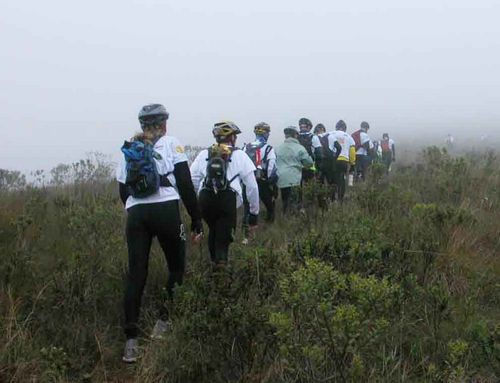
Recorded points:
160,328
131,352
245,241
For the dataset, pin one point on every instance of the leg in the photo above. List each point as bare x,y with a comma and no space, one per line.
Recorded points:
208,209
341,178
225,224
246,211
266,194
172,237
139,244
285,198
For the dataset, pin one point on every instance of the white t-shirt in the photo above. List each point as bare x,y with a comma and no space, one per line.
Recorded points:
241,165
316,142
172,153
346,141
364,138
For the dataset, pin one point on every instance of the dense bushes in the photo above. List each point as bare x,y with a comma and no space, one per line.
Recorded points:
400,283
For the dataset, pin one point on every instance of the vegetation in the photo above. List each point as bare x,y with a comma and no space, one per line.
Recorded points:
400,283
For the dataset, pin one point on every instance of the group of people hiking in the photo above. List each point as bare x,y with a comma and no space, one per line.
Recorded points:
154,175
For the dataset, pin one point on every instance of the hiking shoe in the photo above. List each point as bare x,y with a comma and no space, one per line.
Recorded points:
131,352
160,328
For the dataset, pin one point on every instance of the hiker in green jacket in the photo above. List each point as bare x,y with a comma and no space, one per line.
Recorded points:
291,158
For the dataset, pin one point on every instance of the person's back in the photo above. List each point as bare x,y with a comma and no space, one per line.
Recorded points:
291,158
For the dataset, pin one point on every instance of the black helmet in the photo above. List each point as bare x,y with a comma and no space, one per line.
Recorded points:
305,121
318,128
225,129
341,125
365,125
152,114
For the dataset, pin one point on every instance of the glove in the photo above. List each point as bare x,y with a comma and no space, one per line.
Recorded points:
196,230
197,226
252,219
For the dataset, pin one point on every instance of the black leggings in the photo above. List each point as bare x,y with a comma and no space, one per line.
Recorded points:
219,211
144,222
340,176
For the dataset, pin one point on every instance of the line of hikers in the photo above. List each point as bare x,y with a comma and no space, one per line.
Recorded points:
154,174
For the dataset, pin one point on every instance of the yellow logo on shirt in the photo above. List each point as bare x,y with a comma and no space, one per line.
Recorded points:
179,149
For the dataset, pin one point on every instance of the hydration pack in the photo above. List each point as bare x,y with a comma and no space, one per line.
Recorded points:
142,178
384,144
219,155
306,141
356,136
254,151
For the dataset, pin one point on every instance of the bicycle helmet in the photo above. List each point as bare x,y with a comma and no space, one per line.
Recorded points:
152,114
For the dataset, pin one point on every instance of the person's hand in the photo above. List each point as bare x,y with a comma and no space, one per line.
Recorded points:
196,230
252,220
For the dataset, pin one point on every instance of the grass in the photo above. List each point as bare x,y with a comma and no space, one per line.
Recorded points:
400,283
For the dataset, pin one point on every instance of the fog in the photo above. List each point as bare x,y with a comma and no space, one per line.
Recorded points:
73,75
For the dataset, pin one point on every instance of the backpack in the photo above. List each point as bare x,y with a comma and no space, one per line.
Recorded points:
253,151
142,178
357,139
328,153
219,156
306,141
384,144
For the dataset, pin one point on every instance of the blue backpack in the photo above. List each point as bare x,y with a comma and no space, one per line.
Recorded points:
142,179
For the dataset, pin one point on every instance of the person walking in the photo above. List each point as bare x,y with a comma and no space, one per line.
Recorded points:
364,147
152,177
346,158
305,138
217,174
263,157
291,158
388,149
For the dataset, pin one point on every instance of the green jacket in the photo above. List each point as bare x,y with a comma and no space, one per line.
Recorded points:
291,157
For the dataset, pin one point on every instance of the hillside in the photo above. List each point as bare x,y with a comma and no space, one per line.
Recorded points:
400,283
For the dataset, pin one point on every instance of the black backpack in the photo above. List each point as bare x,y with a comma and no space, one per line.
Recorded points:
219,156
306,141
328,153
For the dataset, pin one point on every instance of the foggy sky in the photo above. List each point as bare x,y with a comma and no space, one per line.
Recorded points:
73,75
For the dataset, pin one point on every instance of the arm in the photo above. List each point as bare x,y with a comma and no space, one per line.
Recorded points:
338,149
252,193
271,164
196,173
124,193
305,158
187,193
393,153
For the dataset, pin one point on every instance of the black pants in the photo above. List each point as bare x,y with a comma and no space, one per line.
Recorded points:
267,193
362,164
387,160
291,199
340,175
144,222
219,212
